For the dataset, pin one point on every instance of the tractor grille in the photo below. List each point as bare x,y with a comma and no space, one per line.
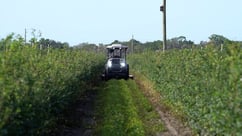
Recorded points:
115,61
116,68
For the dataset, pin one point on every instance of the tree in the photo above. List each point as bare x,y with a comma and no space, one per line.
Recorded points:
6,42
179,43
116,42
48,43
218,39
87,47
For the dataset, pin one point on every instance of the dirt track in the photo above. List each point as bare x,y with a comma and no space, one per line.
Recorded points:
79,119
174,126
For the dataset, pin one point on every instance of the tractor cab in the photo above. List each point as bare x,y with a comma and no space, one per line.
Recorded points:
116,51
116,65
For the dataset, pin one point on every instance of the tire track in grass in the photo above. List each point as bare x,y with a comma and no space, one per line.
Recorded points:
153,125
123,110
116,111
174,125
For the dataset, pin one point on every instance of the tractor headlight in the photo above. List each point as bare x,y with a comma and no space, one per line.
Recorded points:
122,64
109,64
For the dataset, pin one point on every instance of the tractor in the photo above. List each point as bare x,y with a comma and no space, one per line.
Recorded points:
116,65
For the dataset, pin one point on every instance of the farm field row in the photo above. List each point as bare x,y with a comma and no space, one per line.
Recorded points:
122,109
201,86
36,85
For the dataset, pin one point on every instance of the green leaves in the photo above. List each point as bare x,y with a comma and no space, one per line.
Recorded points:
36,86
119,113
204,84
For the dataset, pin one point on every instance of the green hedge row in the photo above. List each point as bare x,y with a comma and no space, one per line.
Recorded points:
35,86
203,85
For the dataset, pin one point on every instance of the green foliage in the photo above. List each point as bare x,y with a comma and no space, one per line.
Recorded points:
119,113
37,85
218,39
179,43
204,85
151,120
47,43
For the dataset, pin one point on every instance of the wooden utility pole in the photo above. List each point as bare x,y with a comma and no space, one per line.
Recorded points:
25,36
163,9
132,44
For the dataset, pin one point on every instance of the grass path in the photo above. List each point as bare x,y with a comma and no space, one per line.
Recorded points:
121,108
123,111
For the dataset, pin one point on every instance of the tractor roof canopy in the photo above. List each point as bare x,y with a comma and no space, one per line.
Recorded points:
116,51
117,46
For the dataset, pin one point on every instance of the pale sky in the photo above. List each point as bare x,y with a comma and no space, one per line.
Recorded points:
103,21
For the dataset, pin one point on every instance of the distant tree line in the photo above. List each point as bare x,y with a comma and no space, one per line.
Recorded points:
178,43
13,41
48,43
